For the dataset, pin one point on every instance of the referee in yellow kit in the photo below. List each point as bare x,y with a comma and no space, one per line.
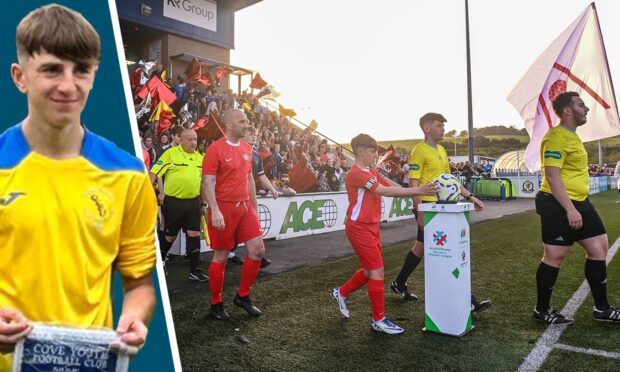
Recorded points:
567,216
180,200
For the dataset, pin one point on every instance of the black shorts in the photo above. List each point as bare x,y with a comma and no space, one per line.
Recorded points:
420,236
180,214
554,222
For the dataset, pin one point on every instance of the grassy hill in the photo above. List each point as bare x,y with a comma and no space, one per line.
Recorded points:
496,145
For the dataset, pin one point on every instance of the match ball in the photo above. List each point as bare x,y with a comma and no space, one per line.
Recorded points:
449,187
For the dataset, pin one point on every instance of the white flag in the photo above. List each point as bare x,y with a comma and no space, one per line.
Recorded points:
575,61
144,107
273,93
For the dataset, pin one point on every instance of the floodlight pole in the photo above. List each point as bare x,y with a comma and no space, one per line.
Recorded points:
455,144
470,115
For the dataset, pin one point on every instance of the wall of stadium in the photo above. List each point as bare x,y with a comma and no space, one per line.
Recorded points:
528,186
161,29
309,214
222,33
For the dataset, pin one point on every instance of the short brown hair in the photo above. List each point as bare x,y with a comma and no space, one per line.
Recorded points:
563,100
431,117
363,141
60,31
176,130
250,129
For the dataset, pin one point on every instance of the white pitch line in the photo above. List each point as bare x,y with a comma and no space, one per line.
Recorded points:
603,353
550,337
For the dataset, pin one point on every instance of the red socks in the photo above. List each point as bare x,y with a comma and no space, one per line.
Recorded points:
216,281
249,271
376,294
356,282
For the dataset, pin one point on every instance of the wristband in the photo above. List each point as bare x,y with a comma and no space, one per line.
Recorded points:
471,195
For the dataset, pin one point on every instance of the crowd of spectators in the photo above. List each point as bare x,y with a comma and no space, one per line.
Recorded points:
601,169
468,170
282,145
462,170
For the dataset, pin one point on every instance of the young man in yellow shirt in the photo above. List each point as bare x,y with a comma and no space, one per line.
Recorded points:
73,206
427,161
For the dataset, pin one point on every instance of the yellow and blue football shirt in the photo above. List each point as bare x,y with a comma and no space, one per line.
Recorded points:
563,149
426,163
66,225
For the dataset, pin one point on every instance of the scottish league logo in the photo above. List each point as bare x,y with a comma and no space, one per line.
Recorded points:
440,238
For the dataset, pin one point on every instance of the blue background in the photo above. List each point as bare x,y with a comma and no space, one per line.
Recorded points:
106,115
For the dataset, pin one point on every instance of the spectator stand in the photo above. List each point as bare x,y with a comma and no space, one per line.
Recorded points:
179,62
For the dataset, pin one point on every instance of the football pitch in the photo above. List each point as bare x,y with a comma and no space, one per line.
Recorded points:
302,329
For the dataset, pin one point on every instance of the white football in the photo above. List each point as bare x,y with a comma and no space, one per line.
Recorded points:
449,187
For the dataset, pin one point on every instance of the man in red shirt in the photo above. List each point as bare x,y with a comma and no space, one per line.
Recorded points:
365,186
229,190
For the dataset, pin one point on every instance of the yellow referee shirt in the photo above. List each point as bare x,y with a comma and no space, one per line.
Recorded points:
426,163
183,172
66,224
563,149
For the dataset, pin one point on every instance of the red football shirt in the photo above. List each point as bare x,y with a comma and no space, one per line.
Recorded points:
230,163
364,204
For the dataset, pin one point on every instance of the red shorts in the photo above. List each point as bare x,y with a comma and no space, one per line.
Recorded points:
241,223
366,241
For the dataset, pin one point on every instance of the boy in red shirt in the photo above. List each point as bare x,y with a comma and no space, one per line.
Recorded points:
365,186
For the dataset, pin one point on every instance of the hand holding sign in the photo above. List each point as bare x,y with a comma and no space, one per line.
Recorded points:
13,327
132,332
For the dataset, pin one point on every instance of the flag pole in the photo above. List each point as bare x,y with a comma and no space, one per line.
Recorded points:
600,32
307,126
611,82
518,173
470,116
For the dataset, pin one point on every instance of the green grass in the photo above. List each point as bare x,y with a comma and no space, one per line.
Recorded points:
566,360
302,329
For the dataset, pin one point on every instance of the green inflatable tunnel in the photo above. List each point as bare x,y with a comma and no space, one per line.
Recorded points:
495,189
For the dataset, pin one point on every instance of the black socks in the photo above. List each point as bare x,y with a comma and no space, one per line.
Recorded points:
411,262
545,281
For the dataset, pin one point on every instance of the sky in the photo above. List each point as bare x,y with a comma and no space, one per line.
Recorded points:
377,66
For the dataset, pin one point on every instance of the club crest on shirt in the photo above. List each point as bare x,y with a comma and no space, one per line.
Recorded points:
246,157
97,207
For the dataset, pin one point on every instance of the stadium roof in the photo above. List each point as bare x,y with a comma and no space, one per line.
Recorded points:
237,5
